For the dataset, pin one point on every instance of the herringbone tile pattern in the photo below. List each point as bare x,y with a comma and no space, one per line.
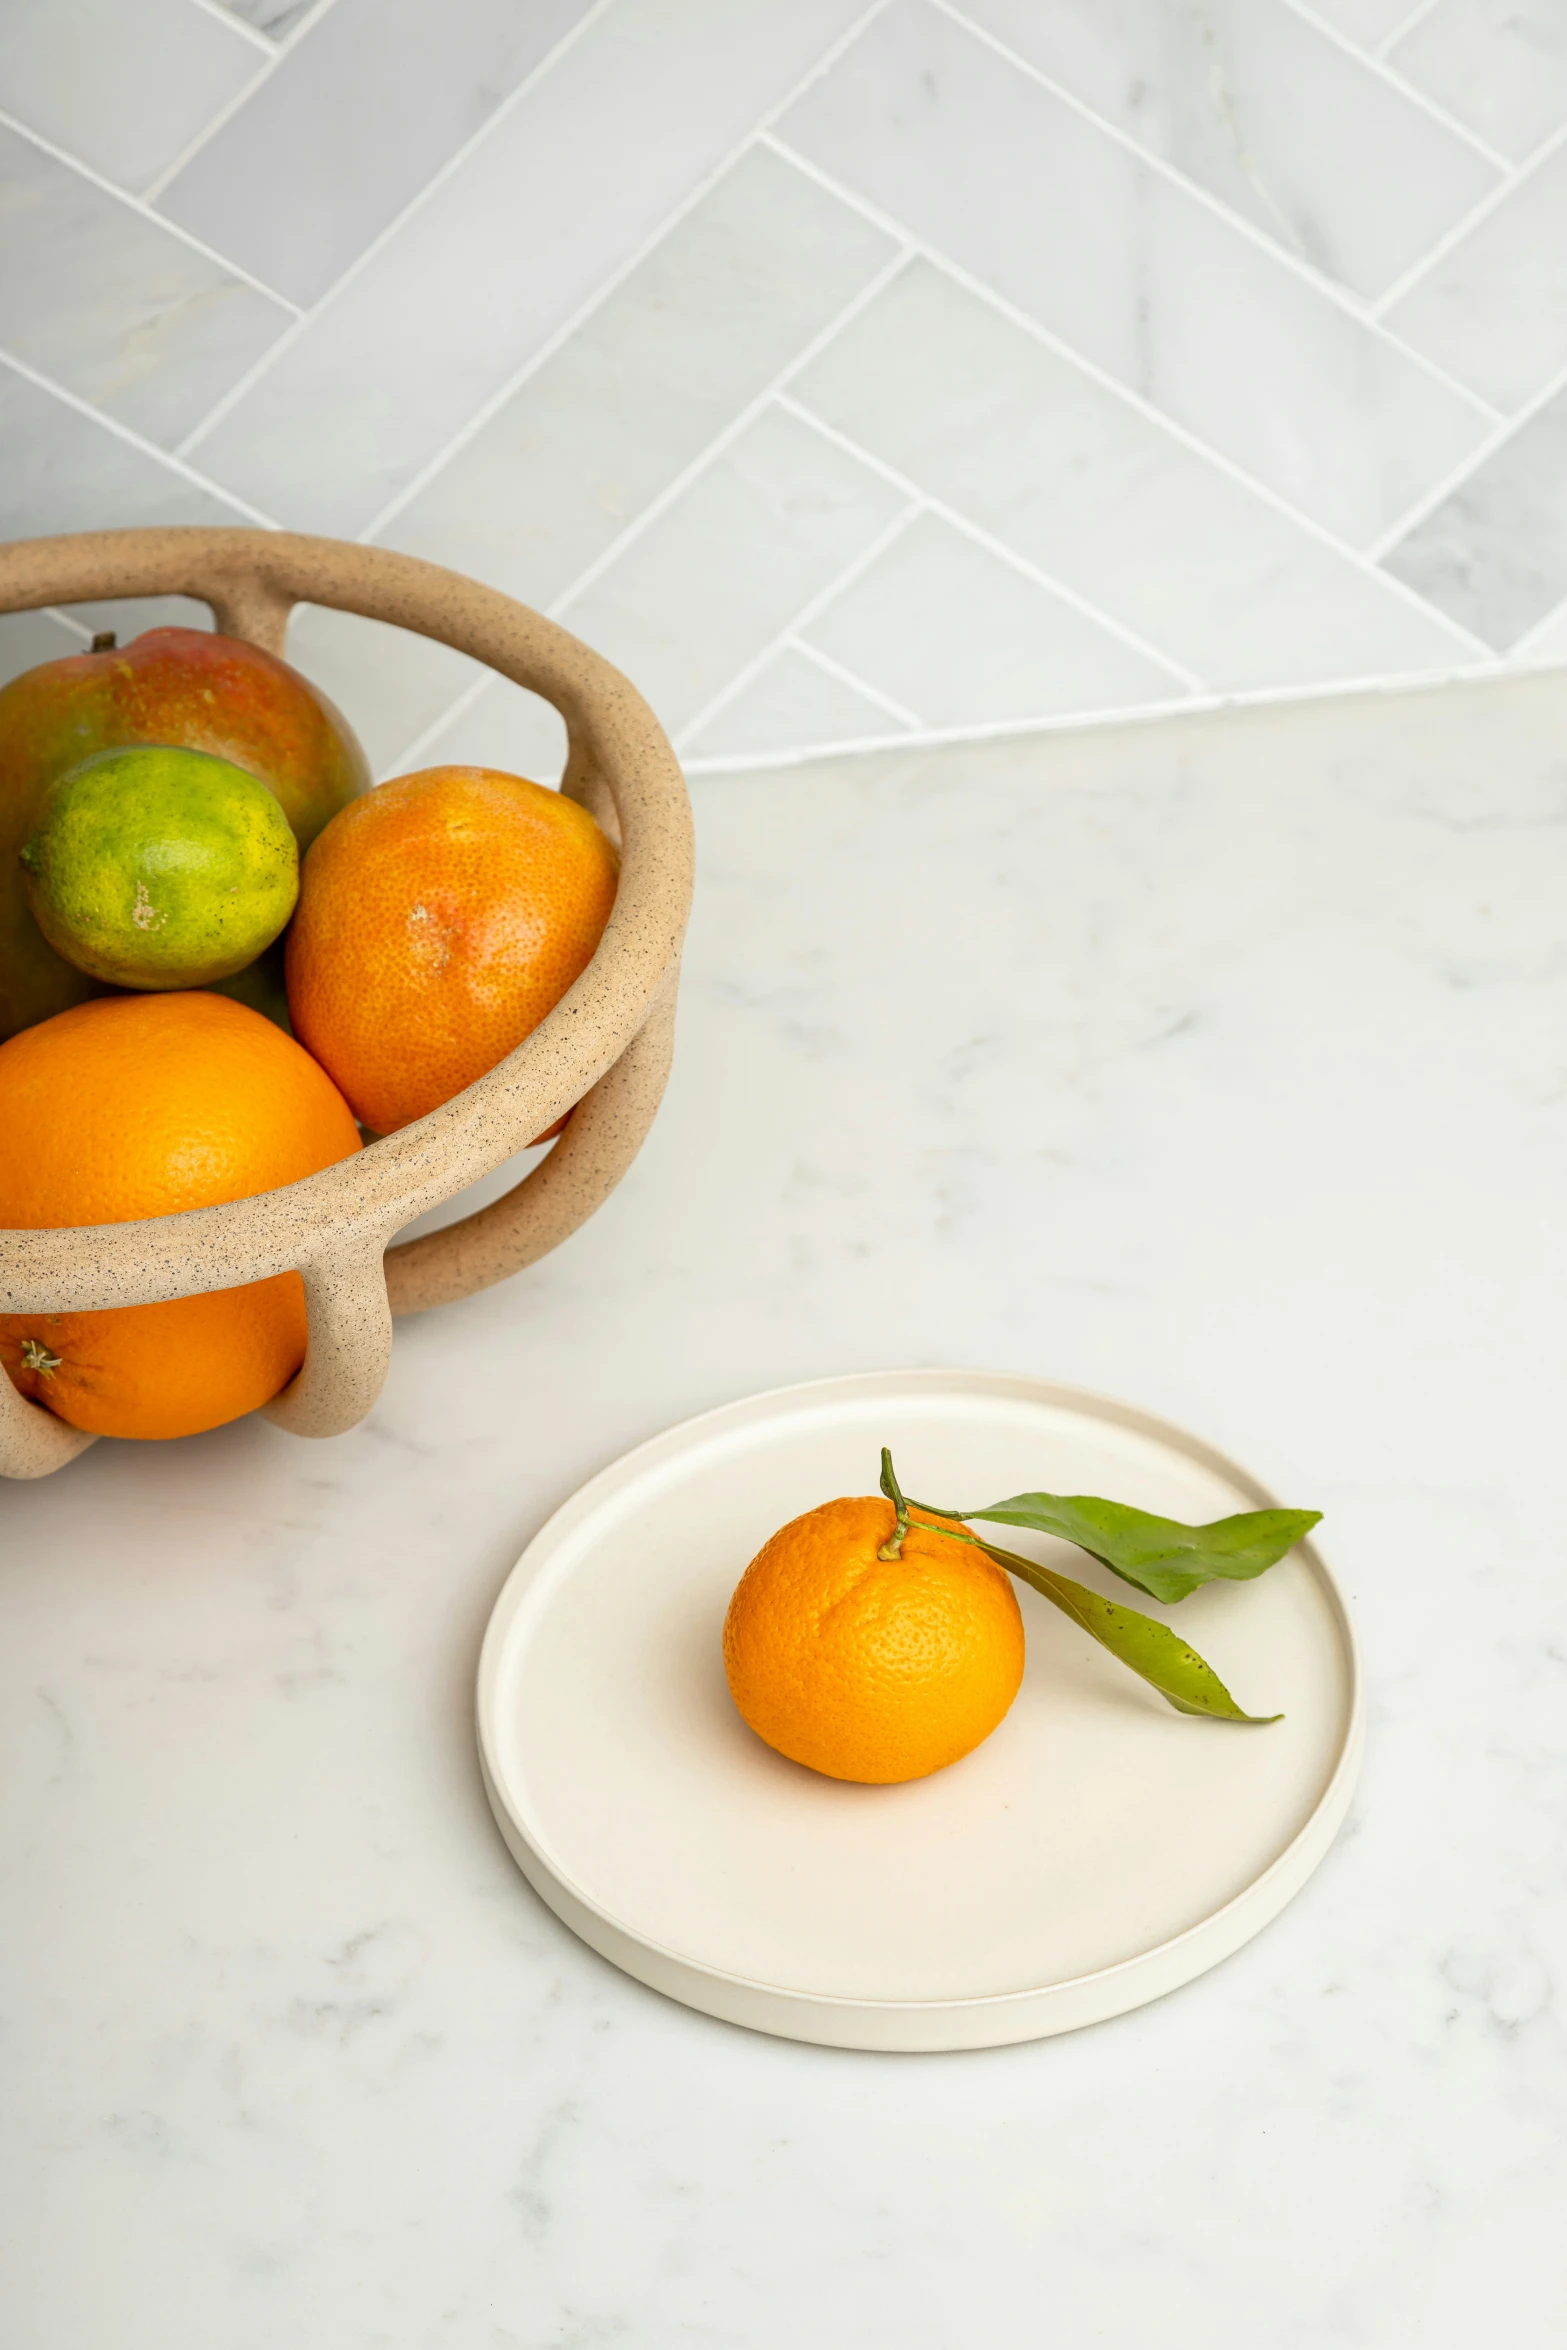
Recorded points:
844,371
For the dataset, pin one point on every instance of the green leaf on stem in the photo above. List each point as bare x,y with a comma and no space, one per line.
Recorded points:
1164,1660
1157,1555
1148,1648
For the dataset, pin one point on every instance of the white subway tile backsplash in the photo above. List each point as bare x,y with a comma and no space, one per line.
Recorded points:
371,101
1253,103
1547,642
1368,23
791,704
765,527
1022,355
125,89
500,727
78,475
1493,309
735,291
1498,66
1127,267
980,413
507,249
131,616
276,19
1494,553
114,307
959,636
29,638
391,684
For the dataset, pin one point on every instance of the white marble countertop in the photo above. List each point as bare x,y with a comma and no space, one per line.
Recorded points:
1219,1063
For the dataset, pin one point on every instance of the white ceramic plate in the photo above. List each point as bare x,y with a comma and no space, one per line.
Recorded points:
1098,1850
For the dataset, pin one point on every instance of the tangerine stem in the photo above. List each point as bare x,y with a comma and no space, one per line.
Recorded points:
893,1547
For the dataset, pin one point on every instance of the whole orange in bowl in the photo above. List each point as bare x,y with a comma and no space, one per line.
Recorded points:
440,917
869,1668
145,1105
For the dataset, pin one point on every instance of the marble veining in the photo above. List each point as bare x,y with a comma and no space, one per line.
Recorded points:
1216,1062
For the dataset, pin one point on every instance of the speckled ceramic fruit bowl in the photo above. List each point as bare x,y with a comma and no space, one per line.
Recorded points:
605,1047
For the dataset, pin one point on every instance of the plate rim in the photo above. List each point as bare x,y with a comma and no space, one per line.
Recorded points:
1092,1996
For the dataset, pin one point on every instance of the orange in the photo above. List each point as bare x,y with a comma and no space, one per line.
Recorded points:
867,1668
144,1105
440,917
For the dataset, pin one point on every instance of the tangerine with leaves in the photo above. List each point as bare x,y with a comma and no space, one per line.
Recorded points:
866,1667
440,917
144,1105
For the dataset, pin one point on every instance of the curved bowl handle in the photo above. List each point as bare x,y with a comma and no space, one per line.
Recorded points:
350,1298
249,606
33,1443
349,1347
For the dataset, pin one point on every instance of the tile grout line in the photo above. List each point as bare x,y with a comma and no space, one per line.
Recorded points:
415,204
1494,670
474,425
956,520
1352,305
277,52
58,612
848,677
144,211
1427,505
307,24
1520,652
124,432
210,129
1405,24
1375,63
236,24
1180,433
877,545
455,709
1481,213
726,436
